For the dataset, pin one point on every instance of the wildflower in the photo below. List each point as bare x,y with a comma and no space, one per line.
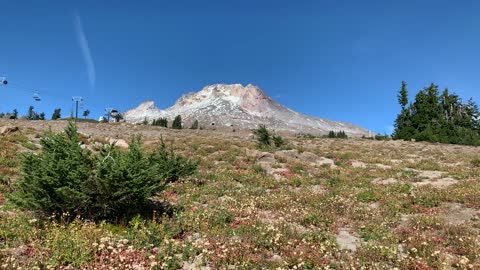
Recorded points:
464,260
31,221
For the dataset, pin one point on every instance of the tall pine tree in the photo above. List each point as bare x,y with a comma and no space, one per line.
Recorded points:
177,122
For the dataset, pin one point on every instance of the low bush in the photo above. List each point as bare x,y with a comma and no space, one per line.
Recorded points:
265,139
111,185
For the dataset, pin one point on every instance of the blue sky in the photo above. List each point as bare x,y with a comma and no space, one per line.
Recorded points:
336,59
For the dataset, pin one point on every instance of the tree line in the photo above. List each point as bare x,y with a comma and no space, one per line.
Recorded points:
176,124
33,115
437,117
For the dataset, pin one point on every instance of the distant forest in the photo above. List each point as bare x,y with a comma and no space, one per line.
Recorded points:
436,117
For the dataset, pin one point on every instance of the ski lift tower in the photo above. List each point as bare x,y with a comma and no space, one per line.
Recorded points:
76,99
108,111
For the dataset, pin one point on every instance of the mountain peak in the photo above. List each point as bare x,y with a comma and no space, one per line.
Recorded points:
243,107
148,104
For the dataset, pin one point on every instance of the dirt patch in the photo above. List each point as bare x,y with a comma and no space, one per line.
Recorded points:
346,240
382,166
388,181
438,183
311,158
429,174
457,213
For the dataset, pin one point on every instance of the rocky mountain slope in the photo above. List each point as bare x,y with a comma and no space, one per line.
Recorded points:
239,107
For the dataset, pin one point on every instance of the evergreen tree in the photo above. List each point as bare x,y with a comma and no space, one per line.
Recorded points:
15,113
162,122
86,113
177,122
403,118
31,114
403,96
194,125
342,135
438,117
331,134
41,116
56,114
263,136
119,117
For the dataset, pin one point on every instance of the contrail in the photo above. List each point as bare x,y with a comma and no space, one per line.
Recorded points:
83,43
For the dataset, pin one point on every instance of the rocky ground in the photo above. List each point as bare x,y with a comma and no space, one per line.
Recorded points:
313,203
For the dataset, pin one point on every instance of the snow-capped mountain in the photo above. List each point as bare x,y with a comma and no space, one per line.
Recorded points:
239,107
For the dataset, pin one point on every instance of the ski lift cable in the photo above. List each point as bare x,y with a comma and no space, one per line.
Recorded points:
36,92
20,87
36,96
24,88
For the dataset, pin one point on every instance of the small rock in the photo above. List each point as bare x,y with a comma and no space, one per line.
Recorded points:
346,240
252,153
226,198
458,214
317,189
8,129
266,157
292,154
308,157
438,183
374,205
388,181
98,144
118,142
383,166
275,258
430,174
326,161
358,164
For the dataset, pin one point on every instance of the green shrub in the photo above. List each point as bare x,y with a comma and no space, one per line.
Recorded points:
368,196
263,136
265,139
278,141
53,182
114,184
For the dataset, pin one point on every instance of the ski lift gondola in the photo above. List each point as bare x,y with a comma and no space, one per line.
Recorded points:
36,97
